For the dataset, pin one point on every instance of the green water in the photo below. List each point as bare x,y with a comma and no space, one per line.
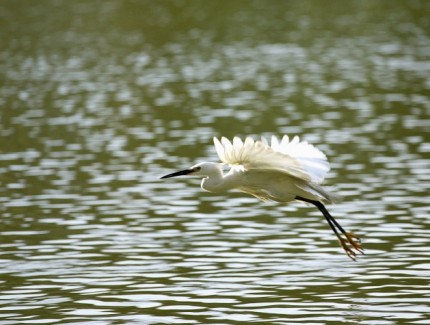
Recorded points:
101,98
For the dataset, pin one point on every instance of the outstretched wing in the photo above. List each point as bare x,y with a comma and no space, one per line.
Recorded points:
295,158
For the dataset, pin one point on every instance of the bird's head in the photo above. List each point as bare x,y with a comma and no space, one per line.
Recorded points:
201,169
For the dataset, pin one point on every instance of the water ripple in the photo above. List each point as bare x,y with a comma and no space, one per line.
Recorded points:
89,234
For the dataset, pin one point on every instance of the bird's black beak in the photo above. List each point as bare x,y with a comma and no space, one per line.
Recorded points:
179,173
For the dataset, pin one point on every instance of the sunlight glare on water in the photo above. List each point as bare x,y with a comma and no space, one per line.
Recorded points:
100,99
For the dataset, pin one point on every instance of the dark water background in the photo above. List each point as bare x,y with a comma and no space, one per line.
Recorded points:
98,99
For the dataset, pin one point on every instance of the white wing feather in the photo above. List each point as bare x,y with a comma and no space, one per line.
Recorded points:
295,158
313,161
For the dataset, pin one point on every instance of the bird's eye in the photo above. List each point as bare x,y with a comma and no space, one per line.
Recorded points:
196,169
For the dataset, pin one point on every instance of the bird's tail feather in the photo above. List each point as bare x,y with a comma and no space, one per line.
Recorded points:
318,191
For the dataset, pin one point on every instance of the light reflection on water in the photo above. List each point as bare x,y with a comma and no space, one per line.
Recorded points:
89,232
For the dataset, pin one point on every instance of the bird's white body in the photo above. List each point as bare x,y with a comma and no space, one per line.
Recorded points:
281,171
267,185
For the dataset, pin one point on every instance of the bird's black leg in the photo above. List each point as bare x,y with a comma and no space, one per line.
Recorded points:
351,239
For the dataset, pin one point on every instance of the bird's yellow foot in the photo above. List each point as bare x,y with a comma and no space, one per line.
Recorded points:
355,241
350,243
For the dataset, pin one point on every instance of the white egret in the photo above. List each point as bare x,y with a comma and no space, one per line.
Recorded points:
281,171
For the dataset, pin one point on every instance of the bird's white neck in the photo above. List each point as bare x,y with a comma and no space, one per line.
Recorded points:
216,181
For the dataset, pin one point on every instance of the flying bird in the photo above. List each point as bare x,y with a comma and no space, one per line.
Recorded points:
283,170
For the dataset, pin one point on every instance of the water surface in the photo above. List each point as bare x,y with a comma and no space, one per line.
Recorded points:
100,99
